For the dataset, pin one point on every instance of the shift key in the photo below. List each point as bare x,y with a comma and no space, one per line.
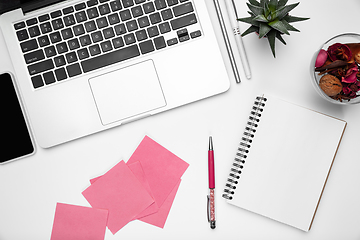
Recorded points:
183,21
41,67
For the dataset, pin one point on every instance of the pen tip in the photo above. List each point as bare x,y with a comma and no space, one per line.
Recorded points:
210,143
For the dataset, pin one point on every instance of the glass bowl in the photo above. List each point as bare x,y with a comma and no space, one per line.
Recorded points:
315,77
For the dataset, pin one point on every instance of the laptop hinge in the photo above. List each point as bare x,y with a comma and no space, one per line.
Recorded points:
35,5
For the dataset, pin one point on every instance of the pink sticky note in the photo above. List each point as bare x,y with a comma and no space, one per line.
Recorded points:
121,193
162,168
75,223
139,173
159,218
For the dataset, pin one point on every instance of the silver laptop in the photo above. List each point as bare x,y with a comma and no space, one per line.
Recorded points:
87,66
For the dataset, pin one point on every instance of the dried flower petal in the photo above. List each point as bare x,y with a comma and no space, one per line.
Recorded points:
321,58
339,51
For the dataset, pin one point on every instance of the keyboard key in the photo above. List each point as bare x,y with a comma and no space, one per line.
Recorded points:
90,26
80,16
92,13
96,37
45,27
56,14
141,35
113,18
166,14
115,5
78,30
31,22
128,3
143,22
172,41
195,34
155,18
49,78
146,47
137,11
73,70
69,20
57,24
71,57
120,29
34,31
183,9
139,1
102,22
153,31
44,18
62,48
183,21
91,3
37,81
131,25
164,27
106,46
108,33
29,45
118,42
43,41
83,53
149,7
160,4
125,15
60,74
67,33
80,6
85,40
68,10
109,58
104,9
94,50
40,67
19,25
22,35
59,61
55,37
73,44
34,56
172,2
50,51
159,42
129,38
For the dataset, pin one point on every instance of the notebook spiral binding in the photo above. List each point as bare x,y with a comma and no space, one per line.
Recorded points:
244,146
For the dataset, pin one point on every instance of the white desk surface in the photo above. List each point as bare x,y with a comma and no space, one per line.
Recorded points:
30,188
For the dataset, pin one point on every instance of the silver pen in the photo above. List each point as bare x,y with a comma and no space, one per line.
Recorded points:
227,42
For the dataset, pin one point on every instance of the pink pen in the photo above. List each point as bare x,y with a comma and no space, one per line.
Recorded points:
211,196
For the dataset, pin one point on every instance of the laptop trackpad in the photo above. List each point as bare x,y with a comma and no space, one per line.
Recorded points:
127,92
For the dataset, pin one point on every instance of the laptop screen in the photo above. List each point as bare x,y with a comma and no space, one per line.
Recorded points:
26,5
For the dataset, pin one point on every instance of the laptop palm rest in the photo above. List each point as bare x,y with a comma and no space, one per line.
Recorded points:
127,92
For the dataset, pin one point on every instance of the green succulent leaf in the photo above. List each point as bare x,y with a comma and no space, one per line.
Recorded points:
255,3
264,29
278,25
289,27
261,18
286,10
291,19
282,3
278,36
255,9
249,20
273,5
251,29
271,38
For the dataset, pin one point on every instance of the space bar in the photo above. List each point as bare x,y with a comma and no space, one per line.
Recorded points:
110,58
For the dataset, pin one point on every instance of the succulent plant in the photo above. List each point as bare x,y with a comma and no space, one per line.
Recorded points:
270,19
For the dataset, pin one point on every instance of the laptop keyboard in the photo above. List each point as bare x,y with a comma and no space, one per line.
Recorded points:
97,33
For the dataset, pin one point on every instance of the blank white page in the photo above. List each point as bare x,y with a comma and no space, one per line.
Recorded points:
288,163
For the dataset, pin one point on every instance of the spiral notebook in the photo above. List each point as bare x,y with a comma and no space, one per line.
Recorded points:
283,161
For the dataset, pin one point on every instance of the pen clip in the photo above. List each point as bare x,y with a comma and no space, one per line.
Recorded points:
208,208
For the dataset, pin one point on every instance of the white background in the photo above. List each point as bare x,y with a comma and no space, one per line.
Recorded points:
30,188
